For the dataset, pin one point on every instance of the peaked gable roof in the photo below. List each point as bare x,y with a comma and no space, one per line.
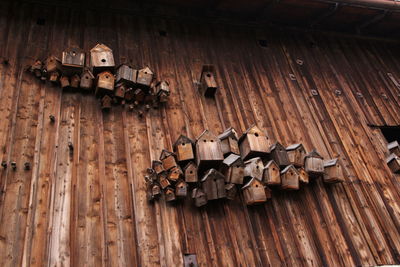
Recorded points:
251,182
231,159
87,72
253,160
275,146
147,70
206,134
330,162
271,162
100,48
285,170
184,139
165,153
254,129
294,147
212,173
230,132
190,164
314,154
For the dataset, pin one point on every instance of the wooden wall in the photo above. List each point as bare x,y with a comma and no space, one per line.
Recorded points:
90,209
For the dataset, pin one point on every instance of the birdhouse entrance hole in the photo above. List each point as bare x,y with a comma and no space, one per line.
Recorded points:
103,60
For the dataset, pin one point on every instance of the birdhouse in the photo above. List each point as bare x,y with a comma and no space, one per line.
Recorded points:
155,191
296,154
87,79
106,102
52,64
303,176
64,80
200,198
231,191
169,194
129,96
73,61
104,83
36,68
138,95
183,148
162,91
279,155
233,169
175,174
164,182
213,184
120,90
254,143
157,166
314,163
333,171
229,142
144,78
254,192
54,77
101,59
190,172
208,85
290,178
208,150
75,81
181,188
254,168
271,173
393,162
126,74
168,159
394,148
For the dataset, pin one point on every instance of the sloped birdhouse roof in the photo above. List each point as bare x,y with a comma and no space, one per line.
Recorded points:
183,139
251,182
330,162
285,170
100,48
293,147
230,132
206,134
231,159
165,153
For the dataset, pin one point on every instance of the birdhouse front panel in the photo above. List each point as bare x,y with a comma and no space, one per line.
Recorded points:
190,172
86,80
181,189
169,195
200,198
254,192
231,191
332,171
296,154
126,74
235,174
75,81
279,155
271,174
303,176
290,178
144,77
208,152
184,152
314,166
119,90
169,162
230,145
254,145
53,64
105,83
254,168
155,190
73,61
208,84
175,174
164,182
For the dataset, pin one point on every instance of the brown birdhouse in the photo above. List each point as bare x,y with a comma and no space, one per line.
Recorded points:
126,74
208,150
169,194
393,161
175,173
104,83
73,61
296,154
200,198
157,166
231,191
181,188
168,159
271,173
333,171
120,90
254,168
233,169
213,184
106,102
144,78
208,85
229,142
64,80
75,81
254,143
314,164
36,68
54,77
290,178
190,172
162,91
139,95
163,179
394,148
101,59
129,94
254,192
183,148
155,191
52,64
279,155
303,176
87,79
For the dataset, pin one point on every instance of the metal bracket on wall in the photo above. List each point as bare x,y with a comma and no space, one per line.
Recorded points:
190,260
292,77
314,92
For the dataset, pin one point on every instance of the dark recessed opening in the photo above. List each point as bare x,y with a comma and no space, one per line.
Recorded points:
103,60
41,21
162,33
263,43
391,133
208,75
256,134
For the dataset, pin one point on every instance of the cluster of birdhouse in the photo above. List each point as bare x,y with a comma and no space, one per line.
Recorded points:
393,161
99,74
218,167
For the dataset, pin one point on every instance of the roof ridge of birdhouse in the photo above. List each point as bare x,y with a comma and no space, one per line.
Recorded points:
252,159
228,132
287,168
330,162
182,136
314,153
100,46
248,130
210,172
165,153
197,191
391,157
205,132
269,163
148,68
105,72
74,47
53,56
392,144
249,183
294,146
274,145
188,165
232,158
87,70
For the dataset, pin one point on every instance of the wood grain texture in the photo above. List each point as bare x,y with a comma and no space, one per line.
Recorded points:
89,207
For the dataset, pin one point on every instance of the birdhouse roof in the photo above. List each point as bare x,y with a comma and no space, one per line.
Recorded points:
124,65
392,145
230,132
165,153
231,159
288,168
275,146
271,162
190,164
391,157
169,190
146,69
100,48
293,147
104,73
53,57
212,173
253,161
181,182
183,138
88,72
251,182
206,134
155,162
314,154
252,130
161,82
330,162
75,49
